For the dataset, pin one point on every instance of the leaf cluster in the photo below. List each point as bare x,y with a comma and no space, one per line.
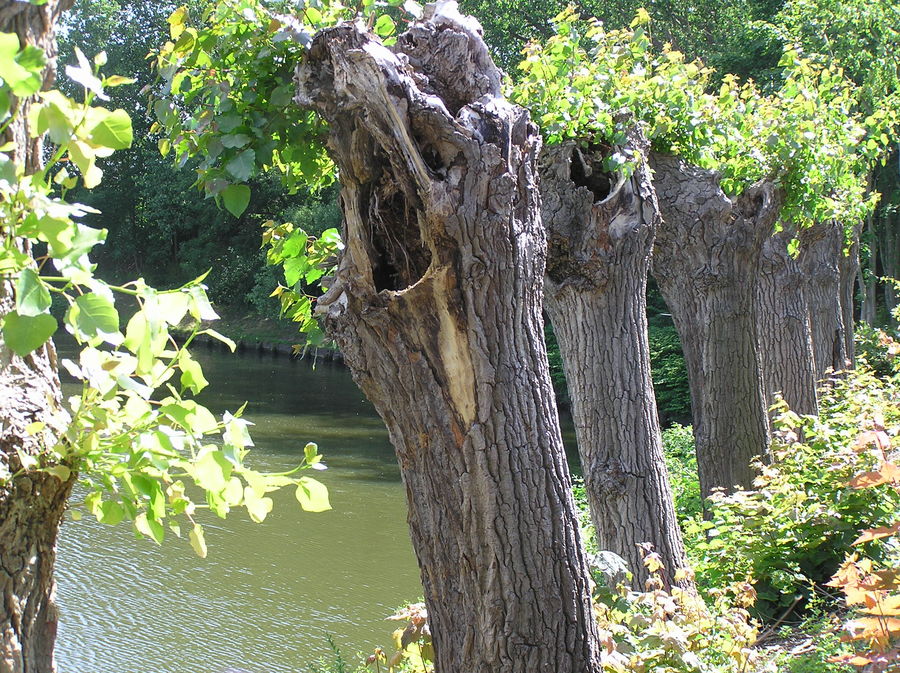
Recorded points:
804,515
141,445
809,136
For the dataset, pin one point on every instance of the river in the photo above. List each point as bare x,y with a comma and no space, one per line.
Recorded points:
268,596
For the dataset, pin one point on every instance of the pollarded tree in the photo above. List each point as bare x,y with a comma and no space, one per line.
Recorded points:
601,215
727,165
436,300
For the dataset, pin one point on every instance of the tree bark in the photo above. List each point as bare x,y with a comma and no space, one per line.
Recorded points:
889,260
705,261
848,264
783,323
31,502
436,305
821,253
600,229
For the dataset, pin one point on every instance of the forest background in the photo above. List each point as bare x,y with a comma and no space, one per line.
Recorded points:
161,228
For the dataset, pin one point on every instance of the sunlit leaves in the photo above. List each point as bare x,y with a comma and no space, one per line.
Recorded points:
24,334
20,70
136,438
809,136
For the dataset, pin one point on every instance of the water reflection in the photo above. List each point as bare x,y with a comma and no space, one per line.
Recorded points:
267,596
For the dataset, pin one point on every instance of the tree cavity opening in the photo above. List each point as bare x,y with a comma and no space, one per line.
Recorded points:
399,256
586,170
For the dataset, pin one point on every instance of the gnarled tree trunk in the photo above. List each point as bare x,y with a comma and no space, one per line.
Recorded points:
705,261
436,305
783,323
600,229
31,502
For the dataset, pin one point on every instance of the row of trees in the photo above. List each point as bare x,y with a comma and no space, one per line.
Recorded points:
436,298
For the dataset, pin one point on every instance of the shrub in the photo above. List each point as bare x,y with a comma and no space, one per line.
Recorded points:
804,516
665,632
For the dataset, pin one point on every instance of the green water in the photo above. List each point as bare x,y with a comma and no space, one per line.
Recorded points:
267,596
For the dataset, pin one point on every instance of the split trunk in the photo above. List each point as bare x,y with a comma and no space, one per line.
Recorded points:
436,305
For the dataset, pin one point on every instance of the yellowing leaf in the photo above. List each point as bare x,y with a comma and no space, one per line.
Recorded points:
876,533
312,495
198,541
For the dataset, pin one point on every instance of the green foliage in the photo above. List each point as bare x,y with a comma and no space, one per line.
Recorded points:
143,448
803,517
670,379
681,462
673,632
809,136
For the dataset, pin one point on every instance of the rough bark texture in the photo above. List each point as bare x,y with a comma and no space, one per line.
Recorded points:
31,503
436,305
783,323
848,264
705,261
821,252
600,233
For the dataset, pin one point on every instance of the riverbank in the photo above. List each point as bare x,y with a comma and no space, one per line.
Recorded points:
262,335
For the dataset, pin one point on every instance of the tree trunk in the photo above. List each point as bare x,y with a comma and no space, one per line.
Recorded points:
705,261
436,305
848,263
783,321
821,252
31,502
600,230
868,311
889,261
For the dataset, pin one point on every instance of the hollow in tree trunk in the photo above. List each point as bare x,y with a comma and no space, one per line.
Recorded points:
600,230
436,305
783,323
705,261
31,502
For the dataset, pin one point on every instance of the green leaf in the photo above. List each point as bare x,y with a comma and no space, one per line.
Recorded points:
192,376
220,337
212,471
95,316
32,296
257,507
22,71
241,167
198,540
24,334
236,198
150,527
113,131
385,26
312,495
110,512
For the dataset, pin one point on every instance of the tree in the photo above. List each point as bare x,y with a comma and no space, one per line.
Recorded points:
601,215
31,501
436,304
